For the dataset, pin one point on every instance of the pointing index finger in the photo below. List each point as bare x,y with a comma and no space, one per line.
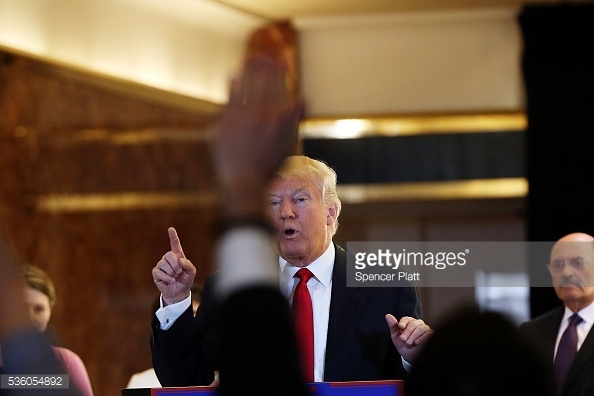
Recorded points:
175,243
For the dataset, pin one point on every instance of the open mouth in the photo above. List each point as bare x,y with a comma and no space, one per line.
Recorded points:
289,232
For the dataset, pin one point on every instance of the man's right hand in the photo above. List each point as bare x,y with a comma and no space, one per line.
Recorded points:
174,274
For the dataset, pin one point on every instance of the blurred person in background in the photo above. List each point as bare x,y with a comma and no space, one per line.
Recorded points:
40,296
474,353
24,351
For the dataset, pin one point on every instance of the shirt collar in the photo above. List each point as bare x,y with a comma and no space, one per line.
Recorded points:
320,267
587,314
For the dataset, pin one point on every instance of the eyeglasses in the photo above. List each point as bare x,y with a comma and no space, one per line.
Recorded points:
575,263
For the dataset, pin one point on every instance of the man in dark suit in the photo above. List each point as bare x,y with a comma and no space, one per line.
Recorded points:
572,271
356,333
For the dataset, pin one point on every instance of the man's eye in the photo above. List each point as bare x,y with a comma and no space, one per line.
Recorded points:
578,263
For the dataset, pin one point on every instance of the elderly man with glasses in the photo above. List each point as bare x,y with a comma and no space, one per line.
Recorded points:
565,331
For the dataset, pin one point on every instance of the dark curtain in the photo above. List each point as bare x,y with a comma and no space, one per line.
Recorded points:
558,71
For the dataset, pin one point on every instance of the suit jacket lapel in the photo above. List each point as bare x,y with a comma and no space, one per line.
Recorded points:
550,331
346,307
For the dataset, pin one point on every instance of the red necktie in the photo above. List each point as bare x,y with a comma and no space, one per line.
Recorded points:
566,351
303,317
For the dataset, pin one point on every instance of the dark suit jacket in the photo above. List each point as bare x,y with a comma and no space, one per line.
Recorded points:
543,330
358,346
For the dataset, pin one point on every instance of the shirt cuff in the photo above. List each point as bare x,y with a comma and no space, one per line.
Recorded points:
169,314
246,257
407,366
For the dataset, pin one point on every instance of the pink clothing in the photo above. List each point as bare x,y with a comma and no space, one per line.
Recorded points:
76,370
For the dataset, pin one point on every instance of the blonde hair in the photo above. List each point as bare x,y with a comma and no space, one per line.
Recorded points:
317,172
38,279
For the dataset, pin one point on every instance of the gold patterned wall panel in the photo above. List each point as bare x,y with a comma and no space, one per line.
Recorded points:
92,172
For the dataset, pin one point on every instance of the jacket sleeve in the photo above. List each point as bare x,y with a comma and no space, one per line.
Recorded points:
186,354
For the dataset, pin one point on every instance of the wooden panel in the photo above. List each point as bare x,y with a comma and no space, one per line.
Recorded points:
93,171
64,134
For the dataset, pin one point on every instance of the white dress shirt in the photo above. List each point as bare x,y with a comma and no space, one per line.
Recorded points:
144,379
320,289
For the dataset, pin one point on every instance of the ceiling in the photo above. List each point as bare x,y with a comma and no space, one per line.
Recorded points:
290,9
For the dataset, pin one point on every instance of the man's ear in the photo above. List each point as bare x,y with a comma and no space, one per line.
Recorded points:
331,217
